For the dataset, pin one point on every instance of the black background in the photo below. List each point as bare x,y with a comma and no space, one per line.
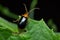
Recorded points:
48,9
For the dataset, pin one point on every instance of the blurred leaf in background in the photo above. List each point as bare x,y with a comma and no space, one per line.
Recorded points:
52,25
33,5
6,11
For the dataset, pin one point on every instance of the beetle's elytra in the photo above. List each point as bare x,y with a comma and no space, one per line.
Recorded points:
23,21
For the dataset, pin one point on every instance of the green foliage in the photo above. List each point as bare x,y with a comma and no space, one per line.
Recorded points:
6,11
52,25
36,30
58,35
33,4
6,24
4,34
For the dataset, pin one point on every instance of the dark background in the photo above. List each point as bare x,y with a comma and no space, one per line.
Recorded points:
48,9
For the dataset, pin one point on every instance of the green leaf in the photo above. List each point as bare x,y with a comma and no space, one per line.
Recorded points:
36,30
6,11
14,38
11,26
33,5
40,31
58,35
4,34
52,25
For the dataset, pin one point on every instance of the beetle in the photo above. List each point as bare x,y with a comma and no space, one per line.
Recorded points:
23,21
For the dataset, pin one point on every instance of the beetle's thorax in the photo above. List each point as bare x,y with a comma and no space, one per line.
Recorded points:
25,15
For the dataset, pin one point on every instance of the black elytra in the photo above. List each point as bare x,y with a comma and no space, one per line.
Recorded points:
22,22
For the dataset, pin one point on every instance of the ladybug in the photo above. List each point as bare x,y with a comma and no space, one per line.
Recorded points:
23,21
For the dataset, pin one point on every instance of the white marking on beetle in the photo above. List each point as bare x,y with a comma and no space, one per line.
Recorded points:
23,19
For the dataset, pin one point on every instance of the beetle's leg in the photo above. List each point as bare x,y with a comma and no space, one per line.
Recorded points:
17,20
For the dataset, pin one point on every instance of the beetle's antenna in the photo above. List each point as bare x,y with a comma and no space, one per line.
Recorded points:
33,9
25,8
30,10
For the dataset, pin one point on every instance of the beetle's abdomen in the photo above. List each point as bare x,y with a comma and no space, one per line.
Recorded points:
22,23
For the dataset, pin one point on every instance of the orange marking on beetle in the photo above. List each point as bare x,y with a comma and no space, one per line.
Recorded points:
25,14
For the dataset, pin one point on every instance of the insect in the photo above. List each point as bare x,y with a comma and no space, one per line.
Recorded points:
23,21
